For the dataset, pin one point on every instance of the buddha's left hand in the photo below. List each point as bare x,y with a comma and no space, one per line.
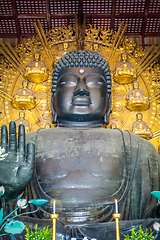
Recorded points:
17,164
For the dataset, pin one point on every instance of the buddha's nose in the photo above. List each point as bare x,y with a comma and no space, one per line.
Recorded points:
81,89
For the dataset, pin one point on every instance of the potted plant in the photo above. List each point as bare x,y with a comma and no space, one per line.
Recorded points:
139,234
46,233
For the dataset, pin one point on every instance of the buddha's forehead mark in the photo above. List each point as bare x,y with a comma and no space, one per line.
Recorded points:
81,71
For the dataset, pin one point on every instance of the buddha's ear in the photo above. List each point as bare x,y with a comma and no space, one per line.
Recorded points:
106,115
54,114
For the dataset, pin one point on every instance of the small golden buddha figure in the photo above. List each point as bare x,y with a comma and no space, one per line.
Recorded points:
24,98
137,100
141,128
47,125
23,121
124,73
113,125
95,48
62,52
36,71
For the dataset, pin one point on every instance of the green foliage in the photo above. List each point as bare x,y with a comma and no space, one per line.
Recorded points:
38,235
140,234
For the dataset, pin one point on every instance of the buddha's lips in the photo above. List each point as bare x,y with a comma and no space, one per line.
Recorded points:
81,101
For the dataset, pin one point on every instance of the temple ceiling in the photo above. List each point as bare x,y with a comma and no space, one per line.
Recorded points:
17,16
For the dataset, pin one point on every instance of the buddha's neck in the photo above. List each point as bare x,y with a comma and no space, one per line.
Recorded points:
89,124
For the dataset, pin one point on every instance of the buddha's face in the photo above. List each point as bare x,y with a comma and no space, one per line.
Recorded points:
139,116
65,46
37,56
135,85
25,84
81,95
124,57
21,115
95,46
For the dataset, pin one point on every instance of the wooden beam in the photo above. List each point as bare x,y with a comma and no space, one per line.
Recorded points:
113,13
153,34
81,32
26,15
90,15
39,16
48,13
8,35
68,21
6,16
15,15
145,21
80,12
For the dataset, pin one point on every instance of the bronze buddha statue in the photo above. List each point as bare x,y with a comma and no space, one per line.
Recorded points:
80,164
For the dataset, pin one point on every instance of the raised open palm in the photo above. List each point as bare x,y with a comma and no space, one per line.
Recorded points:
16,169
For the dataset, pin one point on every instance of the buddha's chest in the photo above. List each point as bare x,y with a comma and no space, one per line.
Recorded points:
75,159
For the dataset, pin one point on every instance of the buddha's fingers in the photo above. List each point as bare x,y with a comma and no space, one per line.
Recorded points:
26,169
30,151
12,137
4,138
21,139
30,164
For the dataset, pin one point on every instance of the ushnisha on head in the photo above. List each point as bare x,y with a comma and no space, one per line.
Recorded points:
81,89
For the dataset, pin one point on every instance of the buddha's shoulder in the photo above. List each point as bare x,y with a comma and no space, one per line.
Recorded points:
98,133
106,137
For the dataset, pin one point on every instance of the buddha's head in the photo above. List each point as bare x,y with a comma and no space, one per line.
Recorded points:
21,114
81,89
37,56
47,125
25,83
95,46
135,85
124,57
139,116
65,45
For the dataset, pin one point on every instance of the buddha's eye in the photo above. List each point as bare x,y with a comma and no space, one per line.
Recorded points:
94,80
100,83
95,83
72,84
68,83
62,83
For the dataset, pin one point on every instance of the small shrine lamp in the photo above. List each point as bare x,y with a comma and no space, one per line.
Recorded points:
54,217
117,216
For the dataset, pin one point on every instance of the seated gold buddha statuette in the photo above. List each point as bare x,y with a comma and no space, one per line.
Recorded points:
124,73
23,121
141,128
36,71
136,99
62,52
95,48
24,98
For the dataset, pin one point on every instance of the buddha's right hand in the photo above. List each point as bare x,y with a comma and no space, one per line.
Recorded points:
17,164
